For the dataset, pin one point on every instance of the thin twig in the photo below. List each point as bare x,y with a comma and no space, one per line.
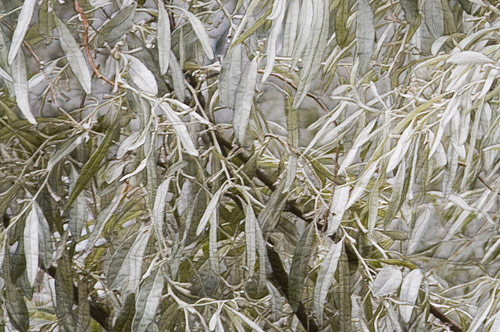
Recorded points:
85,22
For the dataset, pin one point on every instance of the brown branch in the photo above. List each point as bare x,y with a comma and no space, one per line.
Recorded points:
454,326
85,22
480,178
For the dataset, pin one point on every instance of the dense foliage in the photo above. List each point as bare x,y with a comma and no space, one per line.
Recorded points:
266,165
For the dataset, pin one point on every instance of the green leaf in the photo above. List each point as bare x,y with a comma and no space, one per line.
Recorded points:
291,28
300,264
418,230
344,292
244,100
16,307
409,293
341,28
92,166
23,22
410,8
46,22
64,292
326,275
163,37
148,301
18,69
126,315
117,26
75,57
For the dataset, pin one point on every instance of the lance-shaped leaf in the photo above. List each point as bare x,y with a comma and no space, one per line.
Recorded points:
92,166
291,27
244,100
231,72
75,57
409,293
163,37
469,58
343,292
418,230
23,22
117,27
78,211
177,77
338,207
180,129
250,237
64,292
341,28
410,8
126,315
46,22
159,208
300,263
16,307
141,76
326,276
365,34
434,17
387,281
31,240
305,27
314,51
147,301
200,32
277,15
210,210
65,149
482,313
18,69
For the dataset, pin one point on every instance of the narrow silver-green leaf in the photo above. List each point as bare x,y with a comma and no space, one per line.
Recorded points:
19,76
469,58
482,313
16,307
141,76
434,17
117,26
78,211
250,238
291,27
65,149
30,240
210,210
200,32
180,129
341,28
244,100
233,65
75,57
92,166
365,34
177,77
409,293
104,217
163,37
23,22
326,276
343,292
148,301
300,263
159,208
387,281
314,50
277,15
